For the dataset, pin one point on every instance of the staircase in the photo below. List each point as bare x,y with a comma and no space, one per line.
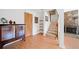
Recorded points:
53,29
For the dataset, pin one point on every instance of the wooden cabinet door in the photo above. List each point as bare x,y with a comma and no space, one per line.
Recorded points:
28,22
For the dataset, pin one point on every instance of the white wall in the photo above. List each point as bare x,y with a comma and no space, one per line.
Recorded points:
54,17
16,15
35,13
46,23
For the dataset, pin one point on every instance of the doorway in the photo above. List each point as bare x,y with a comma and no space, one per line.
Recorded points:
28,24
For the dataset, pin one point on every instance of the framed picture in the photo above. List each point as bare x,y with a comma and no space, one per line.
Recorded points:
46,18
36,19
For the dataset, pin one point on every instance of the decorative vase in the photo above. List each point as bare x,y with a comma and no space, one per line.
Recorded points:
14,22
10,22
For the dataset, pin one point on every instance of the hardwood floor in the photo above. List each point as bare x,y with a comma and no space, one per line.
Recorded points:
35,42
71,41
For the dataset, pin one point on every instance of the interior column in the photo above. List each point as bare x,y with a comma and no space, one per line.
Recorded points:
61,28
